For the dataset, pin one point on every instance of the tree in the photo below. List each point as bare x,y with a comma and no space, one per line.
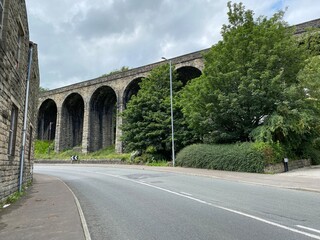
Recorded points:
147,119
245,77
295,123
311,41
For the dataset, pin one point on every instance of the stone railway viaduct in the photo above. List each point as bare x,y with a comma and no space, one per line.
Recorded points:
86,115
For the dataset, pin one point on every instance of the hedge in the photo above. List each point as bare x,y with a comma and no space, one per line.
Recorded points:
242,157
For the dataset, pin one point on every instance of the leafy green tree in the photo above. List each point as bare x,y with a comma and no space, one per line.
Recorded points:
311,41
147,119
295,123
245,77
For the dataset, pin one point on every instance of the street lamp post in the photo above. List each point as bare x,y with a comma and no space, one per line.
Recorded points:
171,108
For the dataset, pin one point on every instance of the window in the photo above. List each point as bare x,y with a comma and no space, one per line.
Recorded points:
19,44
1,16
19,40
13,131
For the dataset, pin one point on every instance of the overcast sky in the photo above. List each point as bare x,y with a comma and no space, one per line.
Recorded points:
80,40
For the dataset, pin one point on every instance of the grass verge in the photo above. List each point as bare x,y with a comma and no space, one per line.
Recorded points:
45,150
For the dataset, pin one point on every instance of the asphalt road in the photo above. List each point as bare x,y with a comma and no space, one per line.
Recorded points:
120,203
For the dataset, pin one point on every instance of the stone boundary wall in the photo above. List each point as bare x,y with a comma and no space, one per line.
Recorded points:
295,164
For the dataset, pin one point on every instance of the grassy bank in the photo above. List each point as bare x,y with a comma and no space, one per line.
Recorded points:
45,150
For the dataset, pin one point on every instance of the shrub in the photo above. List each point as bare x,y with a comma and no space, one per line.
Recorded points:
312,152
43,147
272,152
314,155
242,157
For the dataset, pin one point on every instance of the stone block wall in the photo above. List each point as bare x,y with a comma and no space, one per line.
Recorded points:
14,51
279,168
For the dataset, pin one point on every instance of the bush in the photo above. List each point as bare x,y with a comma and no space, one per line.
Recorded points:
312,152
314,155
43,147
242,157
272,152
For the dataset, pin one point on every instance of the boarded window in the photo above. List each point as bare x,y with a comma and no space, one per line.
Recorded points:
13,131
18,52
19,45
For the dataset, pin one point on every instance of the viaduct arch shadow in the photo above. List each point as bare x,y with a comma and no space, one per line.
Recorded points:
72,121
131,90
187,73
103,118
47,119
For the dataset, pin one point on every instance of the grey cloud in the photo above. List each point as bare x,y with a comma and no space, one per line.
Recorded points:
83,39
122,17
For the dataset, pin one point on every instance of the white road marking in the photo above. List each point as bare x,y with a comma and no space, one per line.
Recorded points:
310,229
184,193
82,218
216,206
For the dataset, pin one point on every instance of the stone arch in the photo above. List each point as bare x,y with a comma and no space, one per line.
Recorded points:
102,118
72,114
131,90
47,119
187,73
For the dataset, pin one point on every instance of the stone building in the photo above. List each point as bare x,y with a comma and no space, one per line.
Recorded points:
14,71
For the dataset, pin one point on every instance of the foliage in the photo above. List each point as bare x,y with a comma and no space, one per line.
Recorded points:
42,152
16,195
122,69
43,147
147,119
309,78
42,89
242,157
245,77
311,41
295,122
310,152
162,163
272,152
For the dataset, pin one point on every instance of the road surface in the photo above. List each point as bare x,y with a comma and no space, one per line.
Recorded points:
124,203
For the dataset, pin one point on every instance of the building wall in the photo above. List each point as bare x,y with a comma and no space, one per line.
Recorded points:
14,51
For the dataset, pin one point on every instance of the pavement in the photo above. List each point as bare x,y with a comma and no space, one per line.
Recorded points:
50,210
47,211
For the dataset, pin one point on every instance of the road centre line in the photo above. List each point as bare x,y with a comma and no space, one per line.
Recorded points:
214,205
310,229
184,193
